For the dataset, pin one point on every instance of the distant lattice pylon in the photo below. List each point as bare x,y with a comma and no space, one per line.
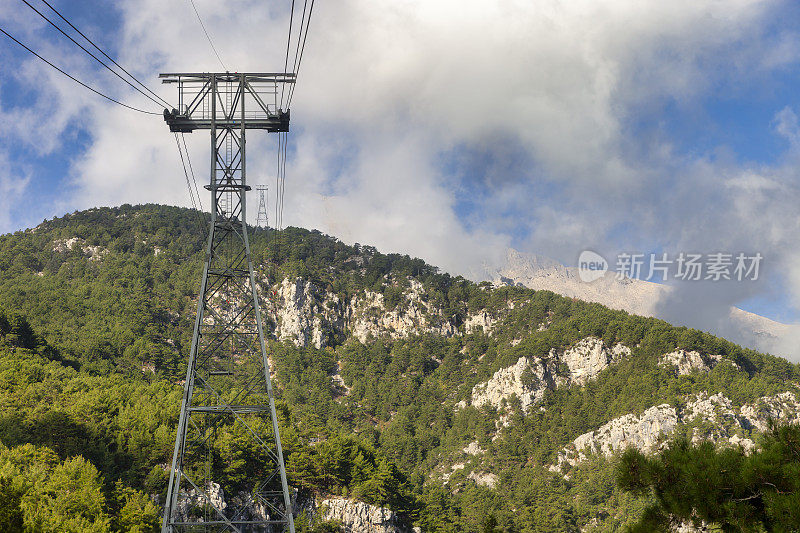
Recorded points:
262,220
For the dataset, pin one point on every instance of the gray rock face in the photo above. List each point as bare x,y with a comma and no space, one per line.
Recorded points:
368,316
783,408
302,313
354,516
647,431
94,253
307,315
589,357
191,503
529,379
359,517
642,432
688,362
479,321
192,499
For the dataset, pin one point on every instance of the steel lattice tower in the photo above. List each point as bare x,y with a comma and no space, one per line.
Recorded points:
228,376
262,220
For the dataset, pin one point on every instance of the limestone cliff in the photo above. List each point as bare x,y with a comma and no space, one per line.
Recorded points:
709,417
359,517
530,378
307,315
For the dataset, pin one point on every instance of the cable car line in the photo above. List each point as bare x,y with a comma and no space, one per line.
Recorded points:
200,20
105,54
91,54
288,45
299,60
76,80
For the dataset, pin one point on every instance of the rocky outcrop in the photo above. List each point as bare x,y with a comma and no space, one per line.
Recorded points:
359,517
94,253
721,422
191,505
588,357
306,315
529,379
303,313
688,362
473,448
353,516
643,432
481,321
724,424
192,499
369,317
487,479
782,408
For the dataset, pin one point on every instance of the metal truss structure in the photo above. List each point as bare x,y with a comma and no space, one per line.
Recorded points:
262,220
228,376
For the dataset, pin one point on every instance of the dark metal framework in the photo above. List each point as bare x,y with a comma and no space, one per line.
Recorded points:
262,220
228,376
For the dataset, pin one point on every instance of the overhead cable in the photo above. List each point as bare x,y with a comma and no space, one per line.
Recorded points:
191,169
196,205
299,59
145,87
75,79
288,46
207,35
91,54
185,173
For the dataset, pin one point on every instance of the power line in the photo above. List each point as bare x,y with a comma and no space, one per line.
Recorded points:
288,46
282,171
302,23
207,35
283,186
280,181
299,60
75,79
191,168
105,54
91,54
199,203
185,172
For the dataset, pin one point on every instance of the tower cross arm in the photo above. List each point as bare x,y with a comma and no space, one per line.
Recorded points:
280,77
246,100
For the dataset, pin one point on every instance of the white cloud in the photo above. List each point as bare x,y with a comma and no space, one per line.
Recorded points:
556,77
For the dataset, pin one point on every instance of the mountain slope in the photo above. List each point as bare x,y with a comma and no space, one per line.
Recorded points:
634,296
449,402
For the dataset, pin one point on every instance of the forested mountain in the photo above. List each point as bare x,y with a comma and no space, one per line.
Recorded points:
460,407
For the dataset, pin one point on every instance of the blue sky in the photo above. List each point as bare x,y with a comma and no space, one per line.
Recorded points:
450,130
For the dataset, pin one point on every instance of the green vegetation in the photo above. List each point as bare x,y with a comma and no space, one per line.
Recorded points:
94,337
727,487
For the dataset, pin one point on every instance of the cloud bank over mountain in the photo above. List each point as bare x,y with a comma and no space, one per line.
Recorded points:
646,298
